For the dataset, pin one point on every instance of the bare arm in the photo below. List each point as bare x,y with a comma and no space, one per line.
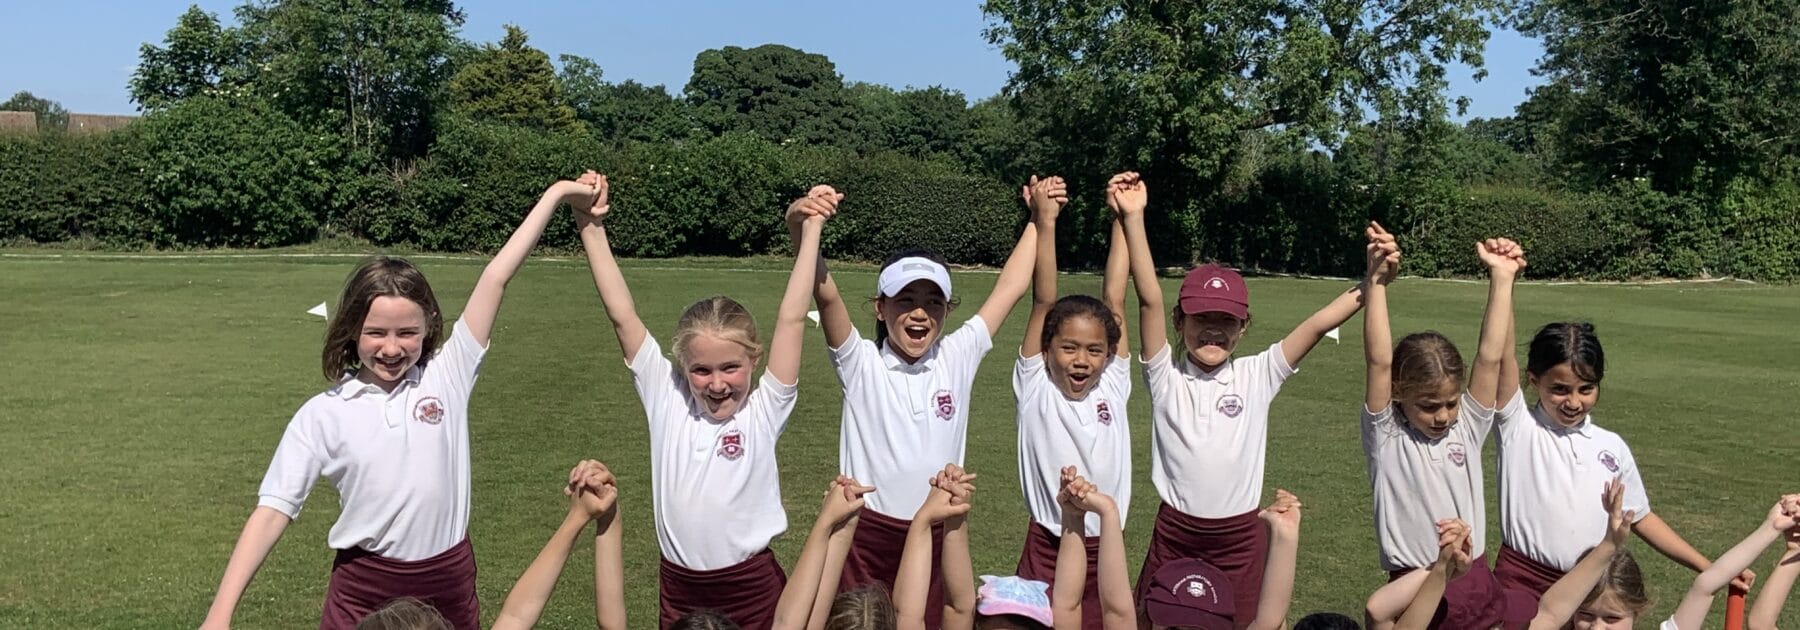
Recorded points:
1378,336
1071,570
1390,602
1296,345
1130,196
261,531
957,569
835,554
797,604
1283,519
1045,203
1561,601
1776,587
913,579
790,321
609,573
1489,355
484,301
1665,541
525,603
1425,602
610,282
1699,598
1112,285
1015,278
834,315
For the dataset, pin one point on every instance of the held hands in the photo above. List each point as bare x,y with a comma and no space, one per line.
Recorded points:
818,205
1454,547
843,500
1079,495
1283,516
1126,195
1046,197
1784,517
592,490
951,490
1383,253
1501,255
589,196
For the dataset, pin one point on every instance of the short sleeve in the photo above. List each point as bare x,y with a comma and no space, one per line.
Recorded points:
1027,372
295,467
1377,426
966,347
850,357
773,402
1669,624
1118,376
1478,418
1636,499
460,358
658,386
1159,372
1275,369
1514,410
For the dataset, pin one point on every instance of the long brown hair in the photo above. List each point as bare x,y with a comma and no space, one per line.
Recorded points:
1422,362
867,608
375,277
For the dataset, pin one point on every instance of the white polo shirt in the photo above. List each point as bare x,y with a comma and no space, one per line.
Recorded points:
714,484
399,460
1091,434
903,422
1211,429
1551,479
1417,480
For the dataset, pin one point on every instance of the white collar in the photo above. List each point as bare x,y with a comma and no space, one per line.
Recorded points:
349,386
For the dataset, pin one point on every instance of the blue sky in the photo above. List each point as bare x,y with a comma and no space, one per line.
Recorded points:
82,52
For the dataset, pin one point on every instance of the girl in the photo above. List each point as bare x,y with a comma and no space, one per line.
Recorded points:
1211,412
1071,382
1192,593
1783,521
392,435
712,437
906,395
1422,434
1553,454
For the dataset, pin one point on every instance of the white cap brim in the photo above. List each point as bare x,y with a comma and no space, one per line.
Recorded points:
911,269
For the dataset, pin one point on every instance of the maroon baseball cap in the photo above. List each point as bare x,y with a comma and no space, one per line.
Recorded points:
1190,593
1211,288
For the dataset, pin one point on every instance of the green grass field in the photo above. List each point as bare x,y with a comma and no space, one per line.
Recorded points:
144,397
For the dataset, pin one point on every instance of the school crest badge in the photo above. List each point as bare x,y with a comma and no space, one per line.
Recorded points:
731,445
429,410
1103,413
1231,405
1608,460
1215,283
1458,455
1197,588
945,403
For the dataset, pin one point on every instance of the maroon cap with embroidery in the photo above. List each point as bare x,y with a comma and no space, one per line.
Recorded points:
1210,288
1190,593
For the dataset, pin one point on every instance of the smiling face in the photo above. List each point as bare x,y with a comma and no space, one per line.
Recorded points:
914,318
718,374
391,340
1565,397
1433,413
1211,337
1077,356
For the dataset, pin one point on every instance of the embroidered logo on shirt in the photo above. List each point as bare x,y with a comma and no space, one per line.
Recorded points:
1231,405
1609,461
429,410
731,445
1104,413
1458,455
946,404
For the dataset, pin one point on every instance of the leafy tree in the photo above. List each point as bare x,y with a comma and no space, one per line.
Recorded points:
780,93
628,111
1682,93
50,114
512,83
374,69
1174,89
198,57
915,122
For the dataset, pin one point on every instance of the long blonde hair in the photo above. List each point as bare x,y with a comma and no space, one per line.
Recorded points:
719,316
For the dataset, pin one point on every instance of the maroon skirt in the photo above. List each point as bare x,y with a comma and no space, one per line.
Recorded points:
362,582
1518,572
1237,545
745,592
1477,600
1038,562
875,558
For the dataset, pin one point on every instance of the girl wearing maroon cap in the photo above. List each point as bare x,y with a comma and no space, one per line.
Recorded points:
1210,433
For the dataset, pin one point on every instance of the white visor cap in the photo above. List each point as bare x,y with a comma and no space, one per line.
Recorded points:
907,270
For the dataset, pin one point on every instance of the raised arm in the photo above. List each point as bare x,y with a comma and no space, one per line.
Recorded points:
261,531
1378,337
1015,278
834,315
1112,285
1071,554
1128,196
1503,268
1046,198
608,280
790,321
842,501
484,301
609,571
1118,611
1699,598
592,496
1508,384
1453,560
1299,342
913,580
1563,599
1283,519
955,566
836,551
1779,583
